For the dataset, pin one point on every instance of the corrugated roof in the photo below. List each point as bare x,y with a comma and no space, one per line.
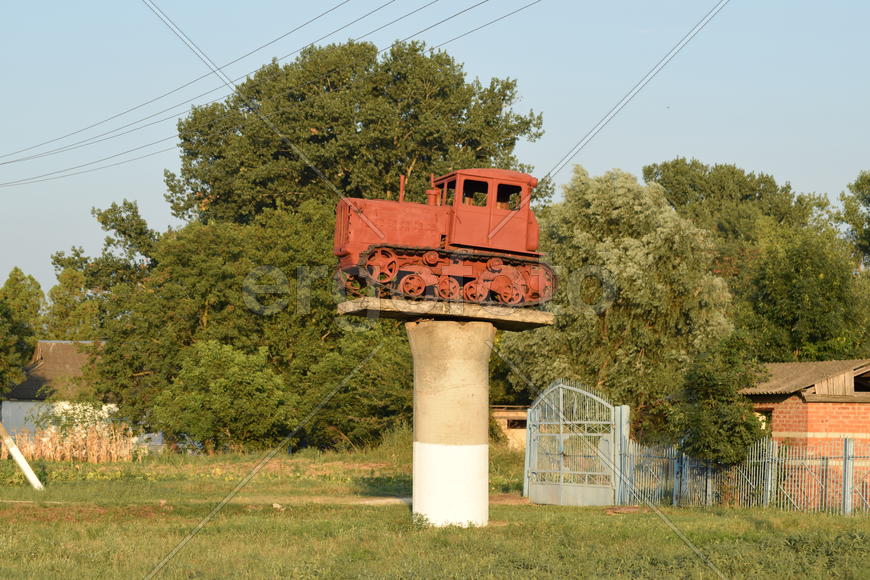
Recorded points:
787,378
53,369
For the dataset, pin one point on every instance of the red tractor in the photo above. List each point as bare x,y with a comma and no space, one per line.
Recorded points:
473,241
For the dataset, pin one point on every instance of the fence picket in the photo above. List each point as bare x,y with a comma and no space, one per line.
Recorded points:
830,477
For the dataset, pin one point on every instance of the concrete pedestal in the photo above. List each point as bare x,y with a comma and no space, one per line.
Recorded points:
451,420
450,345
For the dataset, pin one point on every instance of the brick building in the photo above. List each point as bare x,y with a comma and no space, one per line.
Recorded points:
815,402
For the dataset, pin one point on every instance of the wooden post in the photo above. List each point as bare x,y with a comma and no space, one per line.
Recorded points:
19,458
708,484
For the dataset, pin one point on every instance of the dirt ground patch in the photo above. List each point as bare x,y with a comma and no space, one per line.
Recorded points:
498,499
276,468
507,499
345,500
626,509
73,511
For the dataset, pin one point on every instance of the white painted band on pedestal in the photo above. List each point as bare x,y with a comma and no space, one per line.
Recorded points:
451,484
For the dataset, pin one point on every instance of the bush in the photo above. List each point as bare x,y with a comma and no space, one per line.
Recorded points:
717,421
225,399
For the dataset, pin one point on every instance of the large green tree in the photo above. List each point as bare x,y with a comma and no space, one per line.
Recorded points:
636,298
791,273
358,116
127,252
23,295
21,306
13,349
728,201
736,206
73,314
856,215
805,300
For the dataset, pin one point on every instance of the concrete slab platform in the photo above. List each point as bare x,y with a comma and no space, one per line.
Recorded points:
501,317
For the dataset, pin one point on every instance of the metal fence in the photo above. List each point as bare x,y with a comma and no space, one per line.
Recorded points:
829,477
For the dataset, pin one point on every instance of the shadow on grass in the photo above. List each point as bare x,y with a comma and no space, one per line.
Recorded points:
383,485
511,486
400,486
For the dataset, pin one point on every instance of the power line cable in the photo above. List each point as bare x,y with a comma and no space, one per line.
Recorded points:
110,165
39,178
175,90
493,21
34,179
113,133
635,90
98,138
619,106
251,104
107,136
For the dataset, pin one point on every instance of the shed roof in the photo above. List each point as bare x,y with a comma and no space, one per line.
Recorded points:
787,378
53,369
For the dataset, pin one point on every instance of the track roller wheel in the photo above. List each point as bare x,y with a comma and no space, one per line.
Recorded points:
511,294
448,288
412,286
474,292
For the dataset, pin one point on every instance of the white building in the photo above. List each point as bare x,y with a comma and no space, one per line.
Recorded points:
54,371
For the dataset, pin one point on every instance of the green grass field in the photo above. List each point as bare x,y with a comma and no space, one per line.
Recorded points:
114,521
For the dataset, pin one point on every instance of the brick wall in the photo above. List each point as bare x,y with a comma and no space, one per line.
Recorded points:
795,421
838,420
789,418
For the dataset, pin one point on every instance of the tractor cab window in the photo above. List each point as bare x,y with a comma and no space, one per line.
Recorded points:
508,197
449,192
474,192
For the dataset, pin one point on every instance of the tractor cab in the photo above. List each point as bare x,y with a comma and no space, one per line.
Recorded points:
490,209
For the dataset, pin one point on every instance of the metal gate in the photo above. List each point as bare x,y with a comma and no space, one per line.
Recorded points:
575,442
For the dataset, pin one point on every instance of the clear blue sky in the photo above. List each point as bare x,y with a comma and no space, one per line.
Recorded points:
779,87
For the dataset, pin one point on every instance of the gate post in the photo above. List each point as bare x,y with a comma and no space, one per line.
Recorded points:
678,474
527,461
848,474
622,475
685,468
